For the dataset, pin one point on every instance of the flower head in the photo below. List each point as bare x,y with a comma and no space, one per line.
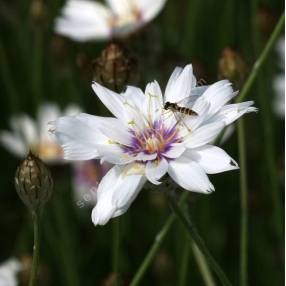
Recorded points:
28,134
84,20
145,141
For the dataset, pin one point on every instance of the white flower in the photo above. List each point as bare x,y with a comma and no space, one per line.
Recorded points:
84,20
28,134
145,142
8,272
279,81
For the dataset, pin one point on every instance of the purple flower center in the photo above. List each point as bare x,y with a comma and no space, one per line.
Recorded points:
155,139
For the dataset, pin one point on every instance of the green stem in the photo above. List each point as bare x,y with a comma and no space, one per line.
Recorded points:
184,265
36,249
243,205
261,60
155,246
198,240
116,249
203,266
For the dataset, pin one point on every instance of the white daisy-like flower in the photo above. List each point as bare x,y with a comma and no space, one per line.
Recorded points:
8,272
145,141
29,134
84,20
279,81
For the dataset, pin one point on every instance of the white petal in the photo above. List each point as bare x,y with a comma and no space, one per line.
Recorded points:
121,7
115,130
180,84
156,170
149,9
104,208
176,150
8,272
77,138
218,94
204,134
154,105
109,128
114,154
146,157
199,90
115,193
213,159
112,100
190,176
128,190
13,143
25,127
84,20
134,100
134,96
231,112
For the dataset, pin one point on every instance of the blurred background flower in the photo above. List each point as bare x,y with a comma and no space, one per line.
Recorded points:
29,134
9,271
84,20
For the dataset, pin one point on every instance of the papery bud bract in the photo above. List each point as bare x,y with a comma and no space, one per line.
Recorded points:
115,68
33,183
232,66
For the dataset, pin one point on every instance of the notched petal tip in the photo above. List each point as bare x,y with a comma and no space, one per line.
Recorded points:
233,164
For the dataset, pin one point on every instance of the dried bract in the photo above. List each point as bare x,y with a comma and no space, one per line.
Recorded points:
115,68
33,183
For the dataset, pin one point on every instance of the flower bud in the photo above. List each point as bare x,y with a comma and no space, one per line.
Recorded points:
33,183
231,66
115,68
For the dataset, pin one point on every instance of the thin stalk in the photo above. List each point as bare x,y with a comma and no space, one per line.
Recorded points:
36,249
116,249
201,261
203,266
261,60
243,205
159,238
184,265
193,234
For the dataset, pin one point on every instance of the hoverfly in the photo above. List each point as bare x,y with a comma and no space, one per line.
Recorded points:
174,107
